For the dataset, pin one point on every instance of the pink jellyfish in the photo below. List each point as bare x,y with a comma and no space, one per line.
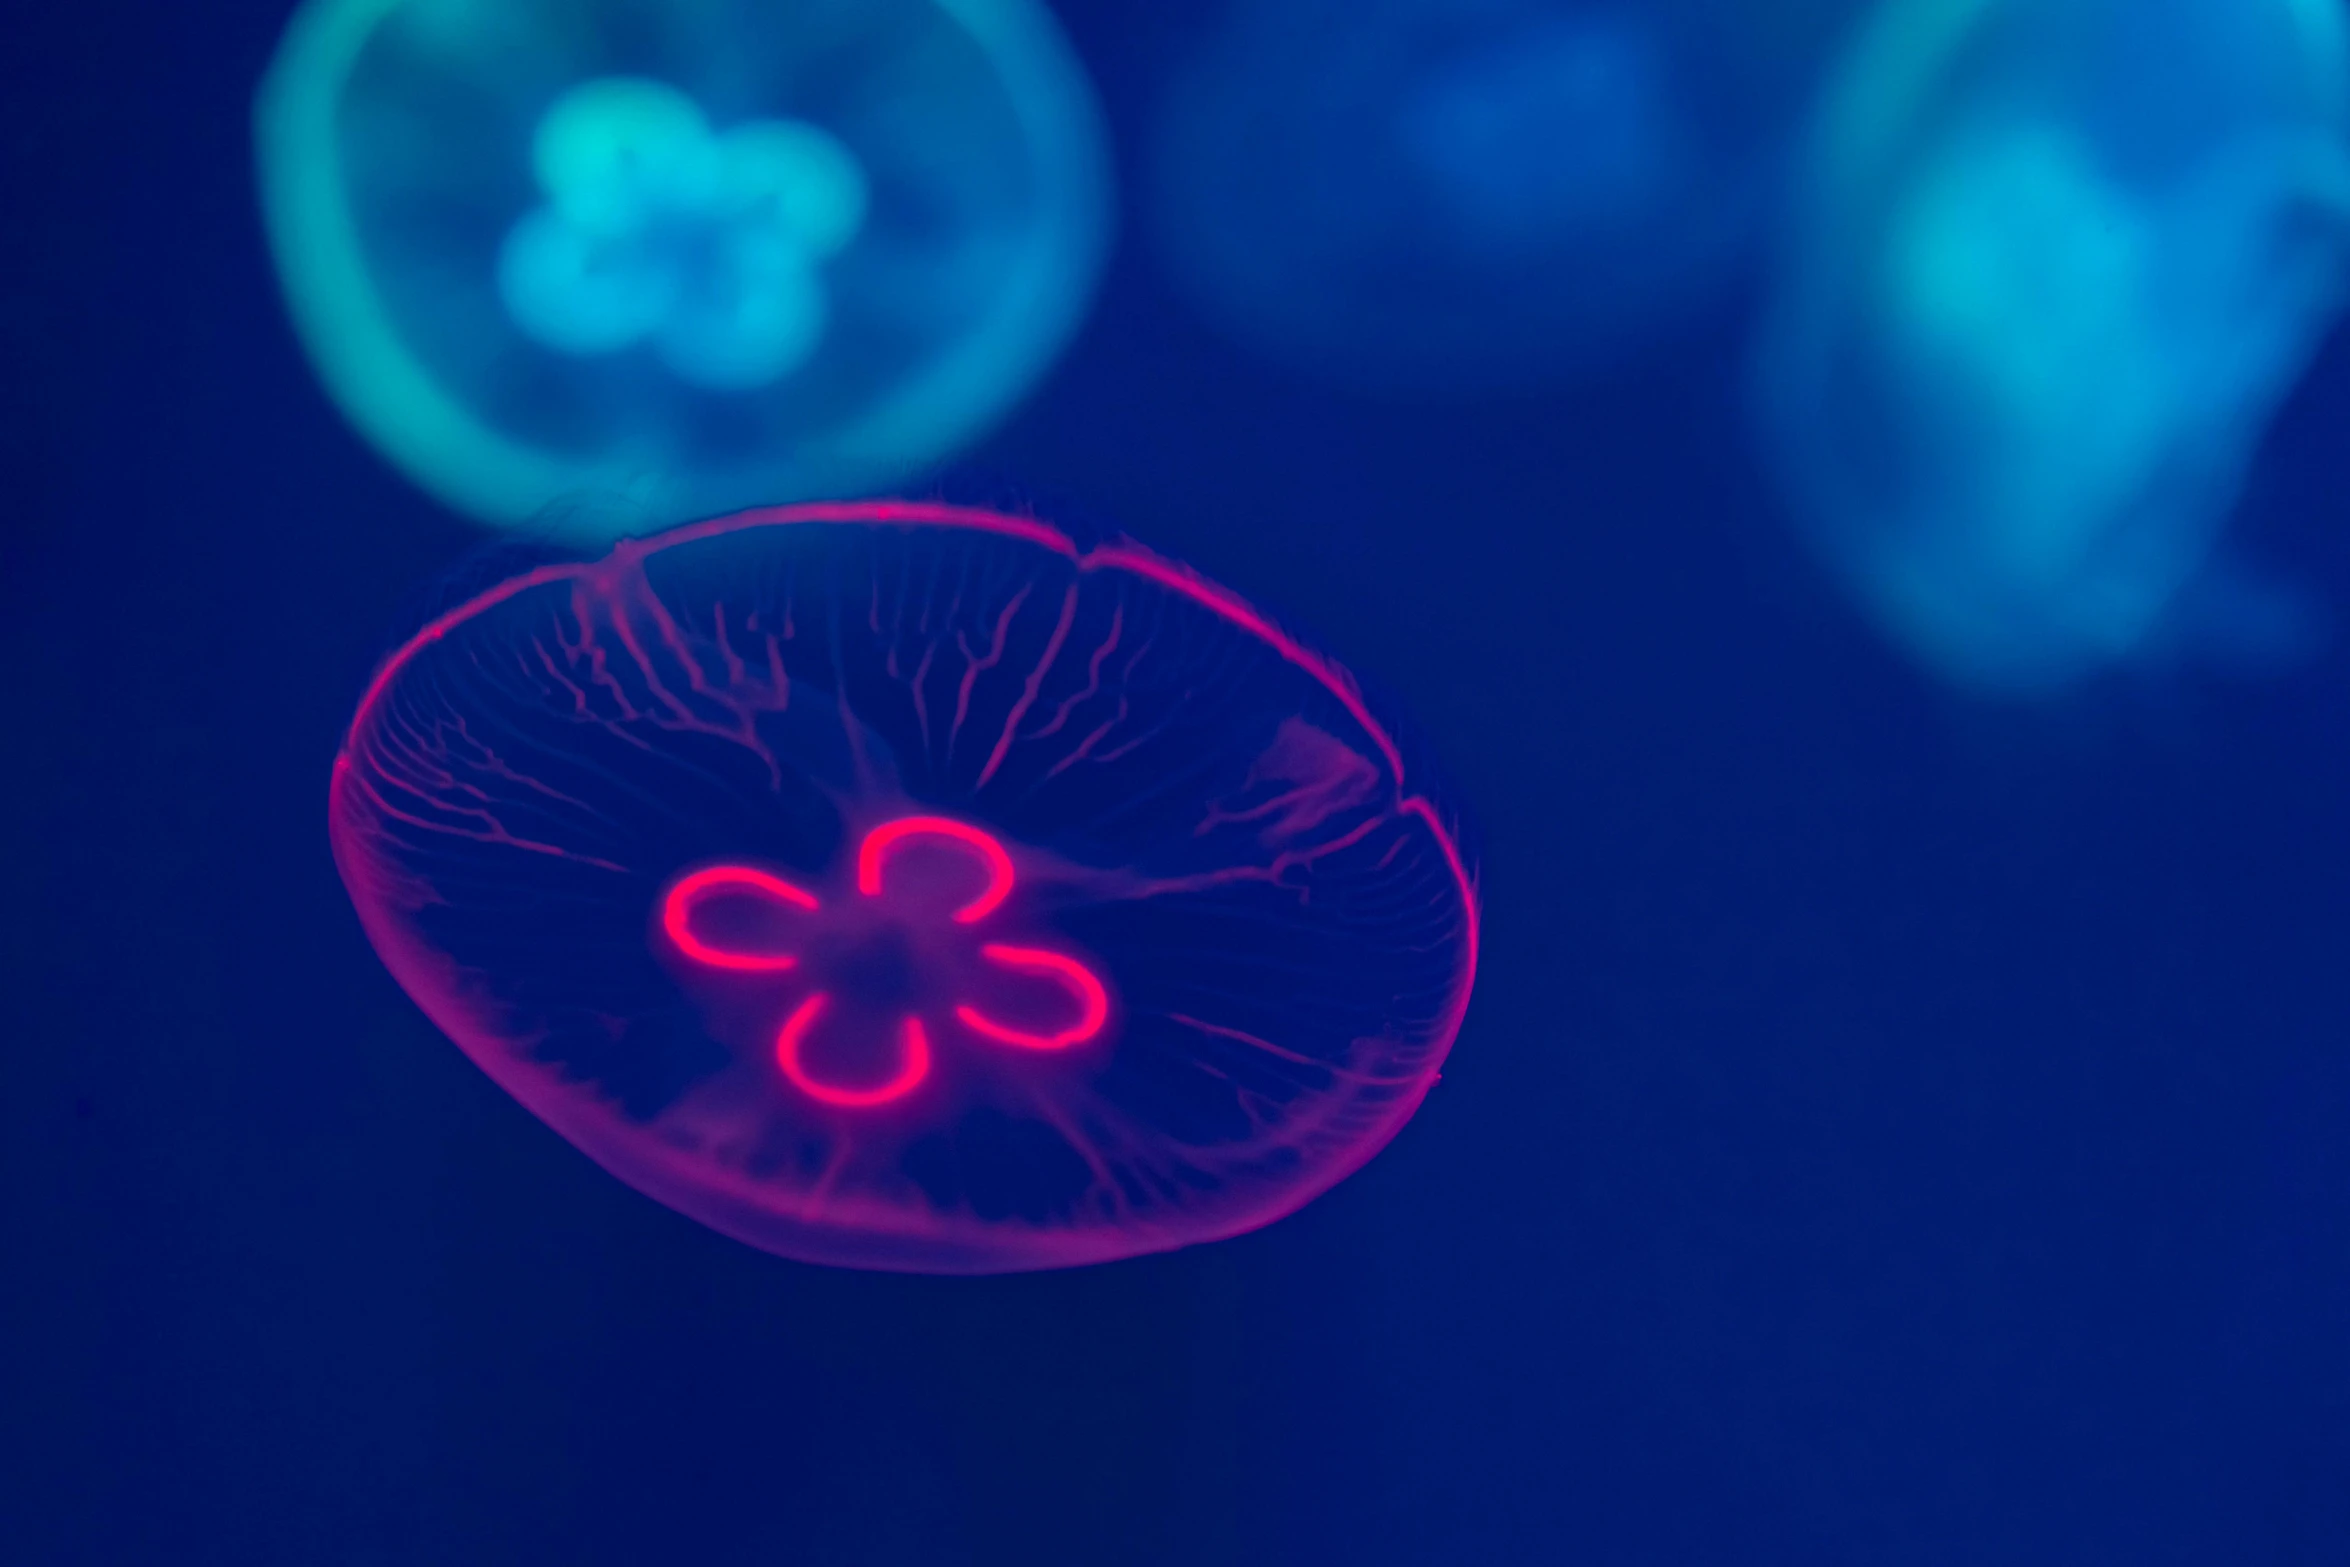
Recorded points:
909,887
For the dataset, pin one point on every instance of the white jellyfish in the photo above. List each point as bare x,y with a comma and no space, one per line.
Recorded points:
2051,268
682,254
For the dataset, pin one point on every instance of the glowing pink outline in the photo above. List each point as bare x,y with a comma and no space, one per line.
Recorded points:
1093,999
678,907
1092,996
787,1056
875,850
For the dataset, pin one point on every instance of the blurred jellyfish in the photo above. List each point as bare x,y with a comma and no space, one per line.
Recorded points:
2053,267
685,253
1453,194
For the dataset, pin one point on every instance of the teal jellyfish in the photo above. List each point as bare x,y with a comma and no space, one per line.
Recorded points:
686,255
1451,195
2052,268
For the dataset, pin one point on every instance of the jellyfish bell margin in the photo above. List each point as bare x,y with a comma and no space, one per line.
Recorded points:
912,887
699,255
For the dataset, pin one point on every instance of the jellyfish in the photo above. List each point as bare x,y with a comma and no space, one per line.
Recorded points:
1460,194
2053,268
686,255
913,888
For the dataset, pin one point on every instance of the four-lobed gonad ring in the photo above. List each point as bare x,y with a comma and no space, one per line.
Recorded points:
691,892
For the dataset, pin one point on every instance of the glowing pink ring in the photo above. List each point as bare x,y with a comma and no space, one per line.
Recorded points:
1093,999
910,1073
882,839
678,907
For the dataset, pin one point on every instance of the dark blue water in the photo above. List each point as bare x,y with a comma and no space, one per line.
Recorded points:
1888,1130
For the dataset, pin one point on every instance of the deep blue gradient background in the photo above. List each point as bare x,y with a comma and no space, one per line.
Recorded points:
1887,1132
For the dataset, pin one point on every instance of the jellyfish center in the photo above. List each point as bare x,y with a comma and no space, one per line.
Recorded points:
658,231
881,968
861,981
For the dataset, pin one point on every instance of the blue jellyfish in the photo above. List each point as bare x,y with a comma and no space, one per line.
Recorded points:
1457,194
2052,268
684,254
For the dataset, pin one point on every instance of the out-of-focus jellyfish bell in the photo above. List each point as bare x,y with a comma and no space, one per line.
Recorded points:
1445,195
2053,265
689,254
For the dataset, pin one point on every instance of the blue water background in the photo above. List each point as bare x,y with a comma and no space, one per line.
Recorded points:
1889,1131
